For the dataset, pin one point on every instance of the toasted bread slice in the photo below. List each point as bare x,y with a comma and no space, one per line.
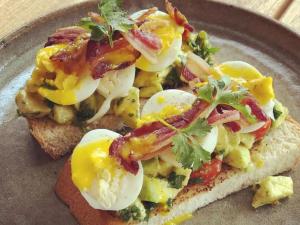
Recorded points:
58,139
280,151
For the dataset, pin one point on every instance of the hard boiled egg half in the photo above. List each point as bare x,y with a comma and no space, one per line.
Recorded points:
61,88
173,102
261,87
101,180
114,84
161,25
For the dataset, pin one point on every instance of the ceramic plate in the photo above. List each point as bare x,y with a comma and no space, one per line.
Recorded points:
27,175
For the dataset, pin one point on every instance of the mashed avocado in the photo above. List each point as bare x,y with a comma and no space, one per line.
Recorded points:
129,108
272,189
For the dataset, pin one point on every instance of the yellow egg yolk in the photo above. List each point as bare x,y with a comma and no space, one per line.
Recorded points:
165,29
166,112
179,219
259,86
88,160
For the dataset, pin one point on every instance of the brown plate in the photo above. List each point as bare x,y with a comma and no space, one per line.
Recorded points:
27,175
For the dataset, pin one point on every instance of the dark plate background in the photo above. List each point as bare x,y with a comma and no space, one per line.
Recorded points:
27,175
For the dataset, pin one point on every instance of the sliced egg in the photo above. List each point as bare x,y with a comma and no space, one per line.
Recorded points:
63,89
168,102
239,69
261,87
101,180
172,102
161,25
114,84
268,109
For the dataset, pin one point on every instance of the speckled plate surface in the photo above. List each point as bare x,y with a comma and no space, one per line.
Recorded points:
27,175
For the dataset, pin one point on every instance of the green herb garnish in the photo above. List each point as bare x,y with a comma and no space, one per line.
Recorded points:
217,92
202,47
175,180
186,145
115,19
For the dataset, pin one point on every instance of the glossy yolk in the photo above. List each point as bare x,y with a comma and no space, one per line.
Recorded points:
61,87
166,112
179,219
262,89
259,86
165,29
88,160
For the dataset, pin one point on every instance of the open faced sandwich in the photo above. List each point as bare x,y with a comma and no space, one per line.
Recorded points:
159,130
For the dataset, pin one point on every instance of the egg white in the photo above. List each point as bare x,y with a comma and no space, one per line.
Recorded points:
178,98
174,97
124,190
165,58
114,84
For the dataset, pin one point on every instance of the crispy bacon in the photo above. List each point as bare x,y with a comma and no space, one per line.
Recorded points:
103,58
141,19
162,138
224,117
149,39
179,18
71,59
67,35
255,109
187,75
233,125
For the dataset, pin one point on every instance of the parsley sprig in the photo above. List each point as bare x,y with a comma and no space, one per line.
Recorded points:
186,145
114,19
218,92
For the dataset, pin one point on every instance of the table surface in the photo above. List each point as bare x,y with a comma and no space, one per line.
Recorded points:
16,14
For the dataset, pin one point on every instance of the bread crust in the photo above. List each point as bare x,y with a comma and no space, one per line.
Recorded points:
280,150
59,139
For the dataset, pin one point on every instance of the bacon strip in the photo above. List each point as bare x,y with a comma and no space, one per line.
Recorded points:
144,16
103,58
255,109
148,39
179,18
187,75
162,133
67,35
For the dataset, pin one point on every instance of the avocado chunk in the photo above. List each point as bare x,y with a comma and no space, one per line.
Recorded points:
247,140
129,108
63,114
272,189
157,190
239,157
151,167
89,107
280,113
31,105
165,168
148,82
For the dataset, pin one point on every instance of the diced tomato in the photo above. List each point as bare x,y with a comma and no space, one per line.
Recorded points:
261,132
208,171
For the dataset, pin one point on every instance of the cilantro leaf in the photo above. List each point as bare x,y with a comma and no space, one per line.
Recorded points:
217,92
115,19
186,145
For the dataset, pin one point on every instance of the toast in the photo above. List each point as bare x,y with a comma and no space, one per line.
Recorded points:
280,151
58,139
